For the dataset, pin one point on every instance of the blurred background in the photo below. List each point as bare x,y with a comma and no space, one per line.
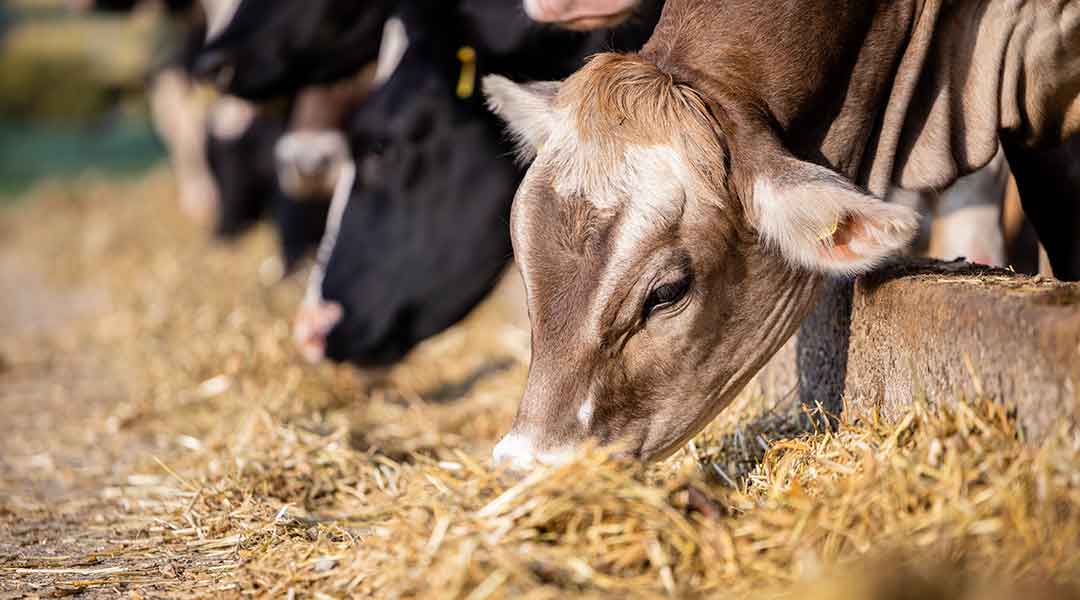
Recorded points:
73,91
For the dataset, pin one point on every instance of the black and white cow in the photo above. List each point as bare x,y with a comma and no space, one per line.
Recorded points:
260,50
240,149
420,236
178,108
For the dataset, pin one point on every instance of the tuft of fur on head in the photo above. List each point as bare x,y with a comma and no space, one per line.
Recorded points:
616,105
621,100
623,96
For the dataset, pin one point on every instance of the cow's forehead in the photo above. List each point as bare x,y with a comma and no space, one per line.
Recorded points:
578,256
612,173
571,202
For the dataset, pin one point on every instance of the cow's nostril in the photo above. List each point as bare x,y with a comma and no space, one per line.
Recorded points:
314,322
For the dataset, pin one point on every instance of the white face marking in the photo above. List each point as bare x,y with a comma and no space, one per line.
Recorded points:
230,117
519,454
313,293
651,187
309,162
585,412
301,146
515,451
392,48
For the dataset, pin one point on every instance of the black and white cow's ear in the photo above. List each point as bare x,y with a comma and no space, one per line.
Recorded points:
818,219
526,108
219,13
392,47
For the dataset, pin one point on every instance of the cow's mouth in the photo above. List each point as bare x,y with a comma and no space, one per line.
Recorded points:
590,22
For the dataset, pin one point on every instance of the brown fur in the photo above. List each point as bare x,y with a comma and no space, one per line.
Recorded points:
783,110
325,106
626,98
621,100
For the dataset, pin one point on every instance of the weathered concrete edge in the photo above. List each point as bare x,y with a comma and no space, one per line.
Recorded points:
954,332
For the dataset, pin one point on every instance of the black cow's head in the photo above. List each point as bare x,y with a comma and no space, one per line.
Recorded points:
240,154
173,6
268,49
424,234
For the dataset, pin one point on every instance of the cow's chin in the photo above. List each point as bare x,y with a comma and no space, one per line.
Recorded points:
591,22
662,441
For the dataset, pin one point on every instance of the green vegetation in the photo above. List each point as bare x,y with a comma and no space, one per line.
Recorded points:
71,94
29,151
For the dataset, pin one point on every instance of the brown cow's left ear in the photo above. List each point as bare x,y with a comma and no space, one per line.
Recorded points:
526,108
818,219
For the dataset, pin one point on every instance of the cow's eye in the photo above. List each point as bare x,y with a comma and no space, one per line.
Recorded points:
665,295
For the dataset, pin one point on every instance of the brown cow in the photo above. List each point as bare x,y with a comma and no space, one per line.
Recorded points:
962,221
686,203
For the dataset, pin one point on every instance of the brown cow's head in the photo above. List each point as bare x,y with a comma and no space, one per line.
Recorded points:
669,246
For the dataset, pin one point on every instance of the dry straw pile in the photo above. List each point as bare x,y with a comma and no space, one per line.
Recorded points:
161,438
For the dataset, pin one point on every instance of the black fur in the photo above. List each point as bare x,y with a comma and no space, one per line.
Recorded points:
426,232
274,49
248,188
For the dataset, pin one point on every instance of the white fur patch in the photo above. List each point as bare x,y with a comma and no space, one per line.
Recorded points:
395,41
519,454
651,178
301,146
515,451
309,162
313,293
973,232
230,117
800,220
535,11
219,13
526,108
585,412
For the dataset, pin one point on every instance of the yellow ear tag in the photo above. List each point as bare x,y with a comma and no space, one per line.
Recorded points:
205,94
825,235
466,84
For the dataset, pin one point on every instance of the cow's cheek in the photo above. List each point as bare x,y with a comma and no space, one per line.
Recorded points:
638,356
648,365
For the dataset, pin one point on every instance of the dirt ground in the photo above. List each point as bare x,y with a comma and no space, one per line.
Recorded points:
159,437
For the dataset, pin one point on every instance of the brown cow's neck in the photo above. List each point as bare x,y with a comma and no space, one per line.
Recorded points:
822,72
906,91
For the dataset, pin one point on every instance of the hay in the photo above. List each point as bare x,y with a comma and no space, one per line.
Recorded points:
165,440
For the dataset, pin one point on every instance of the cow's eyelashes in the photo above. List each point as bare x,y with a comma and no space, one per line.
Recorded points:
665,295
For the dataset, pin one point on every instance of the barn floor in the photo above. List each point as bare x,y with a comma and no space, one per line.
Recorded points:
159,437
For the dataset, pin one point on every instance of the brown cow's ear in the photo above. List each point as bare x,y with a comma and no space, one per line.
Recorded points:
526,108
821,221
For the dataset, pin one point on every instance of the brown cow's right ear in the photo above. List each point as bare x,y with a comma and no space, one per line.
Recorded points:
526,108
817,218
